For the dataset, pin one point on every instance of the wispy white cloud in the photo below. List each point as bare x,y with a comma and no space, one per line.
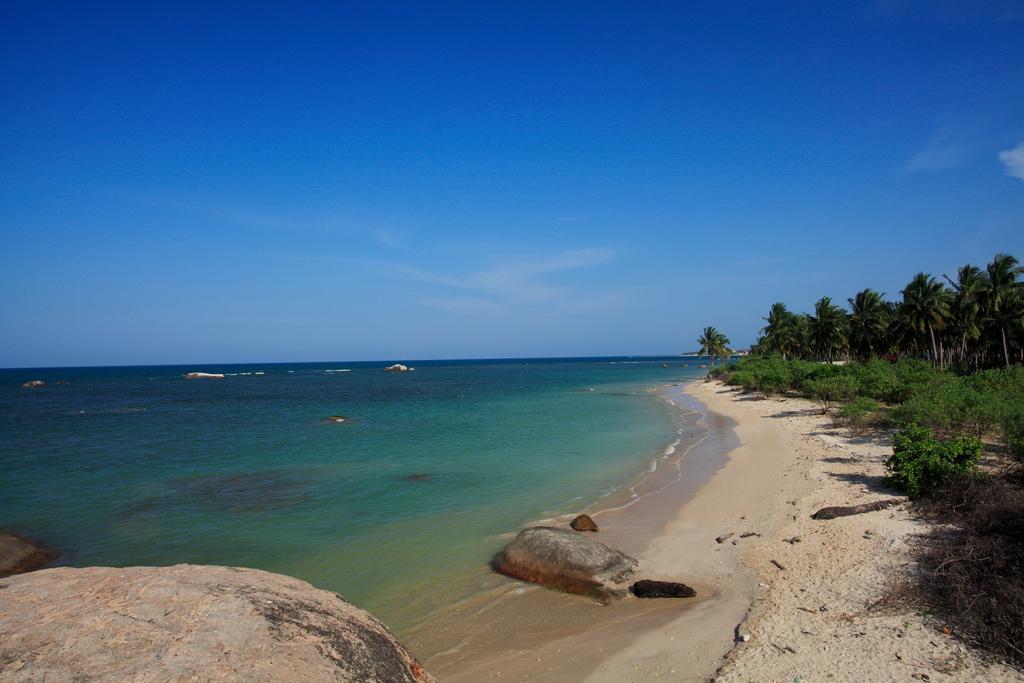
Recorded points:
268,221
937,157
388,238
1013,159
508,283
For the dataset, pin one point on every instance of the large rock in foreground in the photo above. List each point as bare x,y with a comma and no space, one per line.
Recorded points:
189,623
19,554
566,560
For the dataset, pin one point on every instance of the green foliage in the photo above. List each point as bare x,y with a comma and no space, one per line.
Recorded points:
983,403
828,390
1013,431
859,414
920,463
912,377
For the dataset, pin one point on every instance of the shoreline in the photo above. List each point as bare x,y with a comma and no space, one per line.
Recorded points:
813,619
523,629
533,633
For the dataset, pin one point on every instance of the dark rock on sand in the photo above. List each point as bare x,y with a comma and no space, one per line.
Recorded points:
189,622
583,523
567,561
19,554
661,589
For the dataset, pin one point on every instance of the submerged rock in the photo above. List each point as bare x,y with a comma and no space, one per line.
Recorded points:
419,476
19,554
338,419
661,589
567,561
583,523
190,622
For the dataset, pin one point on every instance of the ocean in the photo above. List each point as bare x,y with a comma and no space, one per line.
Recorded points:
398,508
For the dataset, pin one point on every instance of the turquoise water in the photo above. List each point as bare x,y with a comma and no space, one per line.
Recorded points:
396,509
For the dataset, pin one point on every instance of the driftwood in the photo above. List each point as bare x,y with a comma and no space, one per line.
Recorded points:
840,511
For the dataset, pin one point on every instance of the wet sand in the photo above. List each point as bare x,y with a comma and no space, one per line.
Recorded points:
521,632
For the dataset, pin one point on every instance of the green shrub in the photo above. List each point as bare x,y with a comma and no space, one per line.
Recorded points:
876,379
1013,430
772,375
978,404
828,390
741,378
913,376
920,463
859,414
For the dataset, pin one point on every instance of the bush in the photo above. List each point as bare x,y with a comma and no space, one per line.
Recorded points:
828,390
972,561
920,463
979,404
876,379
913,376
859,414
1013,430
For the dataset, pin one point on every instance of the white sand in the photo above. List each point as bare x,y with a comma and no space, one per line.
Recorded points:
842,565
789,463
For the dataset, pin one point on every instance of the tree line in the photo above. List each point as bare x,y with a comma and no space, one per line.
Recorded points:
972,320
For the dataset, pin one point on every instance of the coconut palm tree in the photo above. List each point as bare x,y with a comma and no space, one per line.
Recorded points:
780,334
869,321
925,308
713,344
965,309
828,329
1003,297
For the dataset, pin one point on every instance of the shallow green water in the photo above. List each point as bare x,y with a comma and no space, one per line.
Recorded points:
396,509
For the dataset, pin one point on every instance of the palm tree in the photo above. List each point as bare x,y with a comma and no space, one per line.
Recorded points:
828,329
965,311
869,320
713,344
925,308
779,335
1003,297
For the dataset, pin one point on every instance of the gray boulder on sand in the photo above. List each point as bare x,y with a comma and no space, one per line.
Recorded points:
566,560
189,622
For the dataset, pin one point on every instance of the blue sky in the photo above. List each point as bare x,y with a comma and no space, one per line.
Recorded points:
414,180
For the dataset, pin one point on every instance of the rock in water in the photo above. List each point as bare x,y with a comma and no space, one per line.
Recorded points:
33,384
566,560
190,622
19,554
398,367
661,589
583,523
203,375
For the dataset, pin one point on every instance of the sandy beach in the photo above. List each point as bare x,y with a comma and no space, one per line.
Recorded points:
811,616
817,619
